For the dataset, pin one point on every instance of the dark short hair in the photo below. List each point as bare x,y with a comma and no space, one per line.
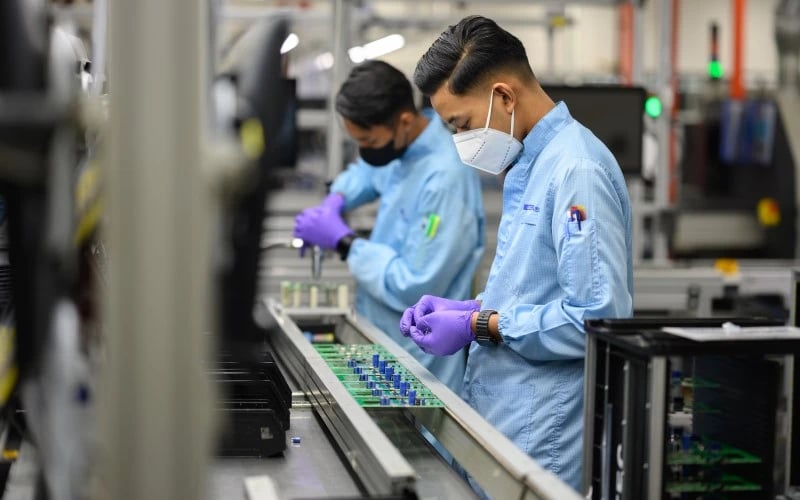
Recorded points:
466,54
374,94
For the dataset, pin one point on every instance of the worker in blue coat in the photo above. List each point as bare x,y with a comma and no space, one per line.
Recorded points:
563,244
429,231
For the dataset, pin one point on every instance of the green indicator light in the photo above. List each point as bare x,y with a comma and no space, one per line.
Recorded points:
653,107
715,70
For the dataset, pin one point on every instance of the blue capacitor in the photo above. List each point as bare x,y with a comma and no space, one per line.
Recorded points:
422,402
389,372
376,359
363,377
377,392
384,401
382,366
403,388
370,384
412,398
396,379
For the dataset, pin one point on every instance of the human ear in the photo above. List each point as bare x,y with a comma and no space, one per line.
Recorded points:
507,95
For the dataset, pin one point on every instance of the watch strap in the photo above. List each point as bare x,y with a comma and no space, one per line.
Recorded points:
482,334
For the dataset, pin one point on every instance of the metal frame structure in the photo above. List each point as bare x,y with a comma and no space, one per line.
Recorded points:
496,464
156,406
634,395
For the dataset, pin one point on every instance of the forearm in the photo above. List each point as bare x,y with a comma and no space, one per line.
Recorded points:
355,186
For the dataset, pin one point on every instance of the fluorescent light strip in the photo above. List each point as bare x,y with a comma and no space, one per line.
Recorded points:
290,43
361,53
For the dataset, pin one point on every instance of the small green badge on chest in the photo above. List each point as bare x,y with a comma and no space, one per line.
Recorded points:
433,226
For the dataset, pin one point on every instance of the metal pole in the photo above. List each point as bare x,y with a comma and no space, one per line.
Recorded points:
155,410
589,399
341,63
663,175
638,44
655,441
551,51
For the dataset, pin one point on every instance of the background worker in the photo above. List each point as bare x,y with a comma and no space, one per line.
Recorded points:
429,231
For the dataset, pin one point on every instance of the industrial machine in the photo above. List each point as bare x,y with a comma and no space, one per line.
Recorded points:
389,418
693,408
255,398
50,192
739,187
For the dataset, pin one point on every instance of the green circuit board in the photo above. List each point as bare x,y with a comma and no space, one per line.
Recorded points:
728,482
699,455
375,378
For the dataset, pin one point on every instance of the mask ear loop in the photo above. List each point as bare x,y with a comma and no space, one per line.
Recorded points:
489,115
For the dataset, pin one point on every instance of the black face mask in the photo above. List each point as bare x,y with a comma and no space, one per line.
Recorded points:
380,157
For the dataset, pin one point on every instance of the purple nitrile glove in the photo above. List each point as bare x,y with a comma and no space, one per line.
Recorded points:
430,303
334,201
407,321
444,332
320,226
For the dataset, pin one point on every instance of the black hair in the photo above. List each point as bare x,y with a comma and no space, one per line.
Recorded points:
466,54
374,94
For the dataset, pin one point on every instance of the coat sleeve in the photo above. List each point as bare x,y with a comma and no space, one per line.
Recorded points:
356,185
592,270
440,239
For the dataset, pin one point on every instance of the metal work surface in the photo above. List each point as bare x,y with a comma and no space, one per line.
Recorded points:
435,477
372,457
310,468
496,464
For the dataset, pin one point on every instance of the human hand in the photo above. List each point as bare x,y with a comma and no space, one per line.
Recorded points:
443,332
430,303
407,321
320,226
334,201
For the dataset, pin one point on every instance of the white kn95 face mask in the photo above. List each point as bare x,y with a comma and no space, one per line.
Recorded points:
488,149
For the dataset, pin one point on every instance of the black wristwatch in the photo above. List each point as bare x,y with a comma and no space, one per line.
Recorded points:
482,336
344,244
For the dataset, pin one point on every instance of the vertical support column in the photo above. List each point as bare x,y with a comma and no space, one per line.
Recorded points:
341,64
635,186
589,400
657,396
638,44
155,407
664,175
640,205
626,40
737,86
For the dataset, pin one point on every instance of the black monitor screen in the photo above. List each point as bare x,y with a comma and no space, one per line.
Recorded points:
615,114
